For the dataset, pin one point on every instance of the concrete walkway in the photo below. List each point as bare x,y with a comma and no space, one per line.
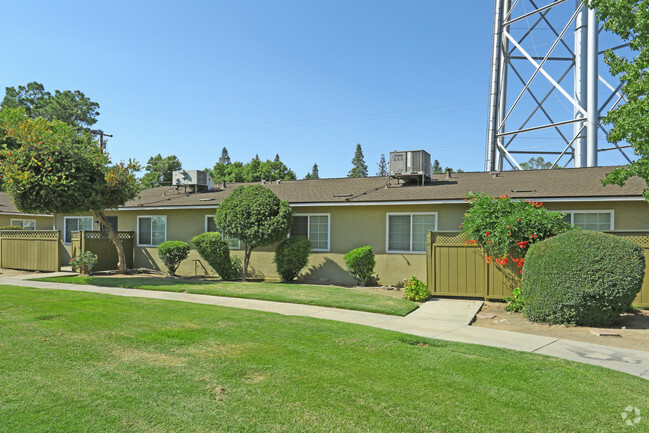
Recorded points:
445,319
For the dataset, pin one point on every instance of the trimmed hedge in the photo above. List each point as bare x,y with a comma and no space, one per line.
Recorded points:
360,264
291,256
172,253
216,252
581,277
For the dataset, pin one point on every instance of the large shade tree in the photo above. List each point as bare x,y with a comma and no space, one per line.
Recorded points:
68,106
255,216
58,169
630,20
159,170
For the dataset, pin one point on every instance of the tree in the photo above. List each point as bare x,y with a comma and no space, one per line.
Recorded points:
630,20
359,168
71,107
225,157
383,166
314,175
58,169
537,164
159,171
255,216
253,171
276,157
436,167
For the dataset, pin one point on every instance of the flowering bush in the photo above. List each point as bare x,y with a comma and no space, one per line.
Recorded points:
504,226
415,290
84,263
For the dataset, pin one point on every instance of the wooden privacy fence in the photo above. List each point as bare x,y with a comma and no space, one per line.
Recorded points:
34,250
456,269
99,243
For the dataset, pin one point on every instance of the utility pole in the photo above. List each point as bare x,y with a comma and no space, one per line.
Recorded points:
101,133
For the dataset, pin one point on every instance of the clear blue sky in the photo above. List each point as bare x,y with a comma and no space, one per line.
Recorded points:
304,79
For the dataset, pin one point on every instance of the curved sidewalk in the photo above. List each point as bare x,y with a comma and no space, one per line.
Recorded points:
445,319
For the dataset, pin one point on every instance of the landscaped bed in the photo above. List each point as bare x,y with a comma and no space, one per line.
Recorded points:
73,361
632,327
324,296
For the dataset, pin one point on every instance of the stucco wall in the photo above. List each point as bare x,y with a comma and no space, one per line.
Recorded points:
350,227
42,222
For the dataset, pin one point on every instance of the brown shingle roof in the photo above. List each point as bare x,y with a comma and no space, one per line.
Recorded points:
6,205
534,184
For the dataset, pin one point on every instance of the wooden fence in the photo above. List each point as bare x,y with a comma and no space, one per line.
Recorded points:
457,269
99,243
34,250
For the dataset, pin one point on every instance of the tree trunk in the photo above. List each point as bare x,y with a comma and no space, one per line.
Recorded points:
121,261
246,260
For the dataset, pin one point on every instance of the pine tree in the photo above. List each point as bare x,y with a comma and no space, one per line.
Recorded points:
314,173
436,167
225,157
359,168
383,166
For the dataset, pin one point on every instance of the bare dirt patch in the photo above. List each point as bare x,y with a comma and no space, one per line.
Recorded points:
632,327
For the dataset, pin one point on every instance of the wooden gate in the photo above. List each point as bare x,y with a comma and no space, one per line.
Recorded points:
455,268
34,250
99,243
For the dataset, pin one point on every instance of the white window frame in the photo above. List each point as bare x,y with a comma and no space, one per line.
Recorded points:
138,229
14,222
238,247
411,214
573,212
65,225
308,229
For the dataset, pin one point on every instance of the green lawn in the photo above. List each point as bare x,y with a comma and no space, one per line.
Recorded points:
82,362
324,296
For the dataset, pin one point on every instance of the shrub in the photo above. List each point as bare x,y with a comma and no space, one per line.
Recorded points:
415,290
84,262
11,228
582,277
172,253
215,251
360,264
516,302
291,255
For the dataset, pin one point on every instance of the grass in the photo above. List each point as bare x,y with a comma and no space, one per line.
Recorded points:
324,296
82,362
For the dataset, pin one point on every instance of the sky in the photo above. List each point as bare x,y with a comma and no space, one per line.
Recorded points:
307,80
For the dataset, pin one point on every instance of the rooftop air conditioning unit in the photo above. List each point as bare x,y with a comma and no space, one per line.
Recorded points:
410,163
193,178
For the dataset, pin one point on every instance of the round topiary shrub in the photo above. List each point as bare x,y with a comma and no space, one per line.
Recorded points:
360,264
582,278
216,252
291,255
172,253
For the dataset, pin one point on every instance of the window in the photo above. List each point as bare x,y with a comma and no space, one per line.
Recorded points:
210,226
315,227
406,232
75,224
591,219
25,224
151,230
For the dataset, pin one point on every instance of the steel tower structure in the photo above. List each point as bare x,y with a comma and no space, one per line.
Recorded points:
549,88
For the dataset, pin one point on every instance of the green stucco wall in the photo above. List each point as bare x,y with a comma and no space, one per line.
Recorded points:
350,227
42,222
